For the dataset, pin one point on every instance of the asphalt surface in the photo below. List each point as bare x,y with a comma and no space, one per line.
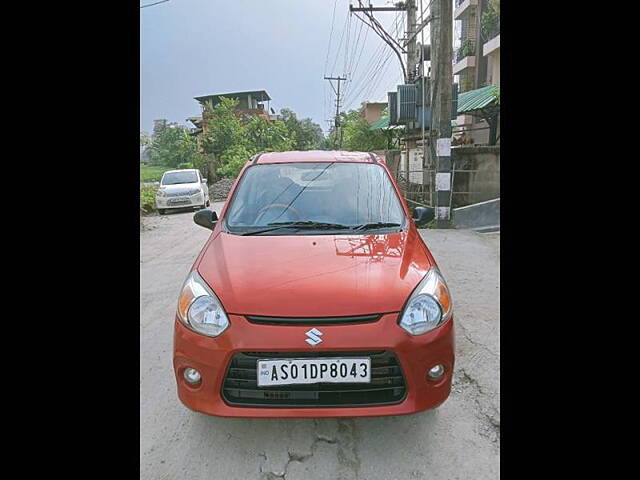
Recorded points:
459,440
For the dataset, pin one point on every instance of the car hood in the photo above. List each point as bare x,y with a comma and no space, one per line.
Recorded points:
180,187
314,275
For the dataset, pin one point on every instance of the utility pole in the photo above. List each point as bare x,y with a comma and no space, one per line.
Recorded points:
337,118
412,64
376,26
441,86
412,48
409,46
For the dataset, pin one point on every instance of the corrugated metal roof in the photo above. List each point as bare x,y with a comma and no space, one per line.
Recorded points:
477,99
382,123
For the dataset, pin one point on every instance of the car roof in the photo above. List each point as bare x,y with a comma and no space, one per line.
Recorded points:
318,156
181,170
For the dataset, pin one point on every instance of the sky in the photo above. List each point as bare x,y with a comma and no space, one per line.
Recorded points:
190,48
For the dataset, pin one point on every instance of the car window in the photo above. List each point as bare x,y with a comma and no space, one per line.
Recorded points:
174,178
349,194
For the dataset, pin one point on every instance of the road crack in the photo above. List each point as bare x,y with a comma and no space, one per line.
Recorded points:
346,451
489,420
466,335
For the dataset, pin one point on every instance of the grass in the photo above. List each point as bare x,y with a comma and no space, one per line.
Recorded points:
152,173
147,200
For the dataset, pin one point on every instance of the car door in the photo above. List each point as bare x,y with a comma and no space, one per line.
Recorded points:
204,187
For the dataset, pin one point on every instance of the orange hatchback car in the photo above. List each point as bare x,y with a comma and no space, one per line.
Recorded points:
314,296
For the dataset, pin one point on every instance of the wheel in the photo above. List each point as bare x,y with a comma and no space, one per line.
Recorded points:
161,211
208,203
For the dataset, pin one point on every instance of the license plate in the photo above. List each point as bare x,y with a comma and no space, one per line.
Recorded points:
291,371
179,201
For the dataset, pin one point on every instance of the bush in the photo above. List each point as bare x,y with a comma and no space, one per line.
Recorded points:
185,165
147,200
233,160
152,173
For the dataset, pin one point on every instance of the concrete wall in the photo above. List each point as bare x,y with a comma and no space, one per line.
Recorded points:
483,216
493,70
476,174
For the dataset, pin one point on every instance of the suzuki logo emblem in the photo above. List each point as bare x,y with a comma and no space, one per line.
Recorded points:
314,337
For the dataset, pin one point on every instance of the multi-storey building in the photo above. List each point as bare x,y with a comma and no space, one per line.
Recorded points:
476,59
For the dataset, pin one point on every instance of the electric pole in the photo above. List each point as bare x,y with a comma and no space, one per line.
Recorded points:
379,30
441,86
412,48
337,118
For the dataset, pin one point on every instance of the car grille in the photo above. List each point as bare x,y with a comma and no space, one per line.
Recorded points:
179,201
313,320
183,193
387,386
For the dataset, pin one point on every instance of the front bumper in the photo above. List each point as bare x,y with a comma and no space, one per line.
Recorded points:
184,201
210,356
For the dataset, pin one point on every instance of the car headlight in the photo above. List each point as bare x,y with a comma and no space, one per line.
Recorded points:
200,309
194,192
428,306
161,193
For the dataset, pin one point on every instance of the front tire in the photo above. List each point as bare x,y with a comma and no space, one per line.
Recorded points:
161,211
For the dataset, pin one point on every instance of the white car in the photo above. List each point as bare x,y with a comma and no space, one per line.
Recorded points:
182,189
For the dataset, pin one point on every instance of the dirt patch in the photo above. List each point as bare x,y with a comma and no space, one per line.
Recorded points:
219,191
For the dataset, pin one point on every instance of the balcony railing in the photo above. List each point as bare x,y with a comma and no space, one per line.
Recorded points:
491,31
490,24
467,49
463,8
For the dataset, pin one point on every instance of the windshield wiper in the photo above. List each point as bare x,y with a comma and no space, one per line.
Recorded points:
309,225
373,226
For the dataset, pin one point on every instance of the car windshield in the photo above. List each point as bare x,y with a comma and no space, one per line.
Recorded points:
291,198
173,178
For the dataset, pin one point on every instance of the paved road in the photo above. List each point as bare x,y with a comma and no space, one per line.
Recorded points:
459,440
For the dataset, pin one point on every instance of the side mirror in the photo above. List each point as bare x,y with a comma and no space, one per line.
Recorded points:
206,218
423,215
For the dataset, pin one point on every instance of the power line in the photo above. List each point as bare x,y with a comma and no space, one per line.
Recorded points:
333,18
360,79
373,72
369,73
152,4
344,28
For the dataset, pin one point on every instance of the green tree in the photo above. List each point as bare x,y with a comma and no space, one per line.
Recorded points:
145,139
357,134
233,159
173,146
232,139
224,128
266,136
308,135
